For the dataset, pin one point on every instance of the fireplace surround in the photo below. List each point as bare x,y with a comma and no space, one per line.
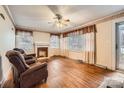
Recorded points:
41,49
42,52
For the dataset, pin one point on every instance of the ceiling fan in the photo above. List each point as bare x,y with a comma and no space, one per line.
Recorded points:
60,21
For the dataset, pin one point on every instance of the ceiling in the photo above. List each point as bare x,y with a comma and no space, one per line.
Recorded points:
40,17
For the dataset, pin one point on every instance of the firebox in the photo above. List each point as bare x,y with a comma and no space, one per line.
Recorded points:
42,52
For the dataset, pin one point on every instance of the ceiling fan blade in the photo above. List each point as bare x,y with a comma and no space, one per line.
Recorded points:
67,20
54,9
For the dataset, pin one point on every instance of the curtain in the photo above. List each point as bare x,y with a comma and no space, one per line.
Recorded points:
24,40
84,44
83,41
80,31
64,46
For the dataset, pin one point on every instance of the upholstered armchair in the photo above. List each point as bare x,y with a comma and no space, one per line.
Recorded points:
30,58
24,75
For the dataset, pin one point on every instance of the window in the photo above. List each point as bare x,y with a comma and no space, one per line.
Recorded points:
75,43
24,40
84,42
54,41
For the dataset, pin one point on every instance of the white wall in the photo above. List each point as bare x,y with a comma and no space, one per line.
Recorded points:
7,40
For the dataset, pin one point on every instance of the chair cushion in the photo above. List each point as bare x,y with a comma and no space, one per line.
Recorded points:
17,59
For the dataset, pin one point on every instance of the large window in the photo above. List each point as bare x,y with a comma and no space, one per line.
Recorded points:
54,41
75,43
84,42
24,40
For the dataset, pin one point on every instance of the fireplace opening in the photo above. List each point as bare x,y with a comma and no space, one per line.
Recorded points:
42,52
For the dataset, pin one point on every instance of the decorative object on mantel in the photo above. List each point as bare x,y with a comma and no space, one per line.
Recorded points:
2,16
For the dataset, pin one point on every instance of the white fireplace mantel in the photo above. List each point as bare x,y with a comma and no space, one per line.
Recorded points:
40,44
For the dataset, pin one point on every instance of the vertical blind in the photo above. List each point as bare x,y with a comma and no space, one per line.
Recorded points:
24,40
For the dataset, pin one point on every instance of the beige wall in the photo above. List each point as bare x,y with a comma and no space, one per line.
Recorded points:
105,43
53,51
7,40
41,37
75,55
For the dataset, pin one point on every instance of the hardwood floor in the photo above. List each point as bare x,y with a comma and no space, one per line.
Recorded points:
67,73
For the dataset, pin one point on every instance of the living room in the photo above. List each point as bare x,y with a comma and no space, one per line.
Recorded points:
69,46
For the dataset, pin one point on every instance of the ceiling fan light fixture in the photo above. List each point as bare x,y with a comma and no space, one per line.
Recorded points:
60,22
60,25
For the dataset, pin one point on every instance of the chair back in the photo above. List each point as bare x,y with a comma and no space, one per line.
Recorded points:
18,61
19,50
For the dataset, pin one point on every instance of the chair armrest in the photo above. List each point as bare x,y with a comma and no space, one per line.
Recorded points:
34,68
30,61
33,54
28,57
33,75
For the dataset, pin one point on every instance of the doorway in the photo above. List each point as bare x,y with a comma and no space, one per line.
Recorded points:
120,45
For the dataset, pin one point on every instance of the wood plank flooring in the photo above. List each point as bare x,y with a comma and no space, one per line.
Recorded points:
67,73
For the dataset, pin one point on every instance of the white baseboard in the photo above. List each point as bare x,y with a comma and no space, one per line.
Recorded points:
5,76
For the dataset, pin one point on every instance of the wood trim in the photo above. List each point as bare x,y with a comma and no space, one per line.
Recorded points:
55,34
95,49
25,30
30,29
21,30
87,29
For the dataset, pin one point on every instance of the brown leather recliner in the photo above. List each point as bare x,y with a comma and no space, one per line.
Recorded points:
30,58
24,75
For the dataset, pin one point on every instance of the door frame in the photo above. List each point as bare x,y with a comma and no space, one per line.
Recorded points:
116,46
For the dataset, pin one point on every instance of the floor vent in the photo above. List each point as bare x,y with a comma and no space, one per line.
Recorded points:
80,61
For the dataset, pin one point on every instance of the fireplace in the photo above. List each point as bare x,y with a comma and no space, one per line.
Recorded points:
42,52
41,49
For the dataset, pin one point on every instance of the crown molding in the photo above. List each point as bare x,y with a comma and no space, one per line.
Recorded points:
30,29
8,12
99,20
96,21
